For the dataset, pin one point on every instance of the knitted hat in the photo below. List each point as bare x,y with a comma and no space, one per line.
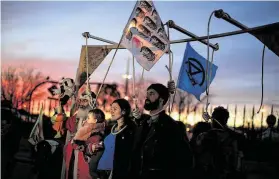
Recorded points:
161,90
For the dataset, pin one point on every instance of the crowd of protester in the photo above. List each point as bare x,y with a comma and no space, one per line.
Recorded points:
134,145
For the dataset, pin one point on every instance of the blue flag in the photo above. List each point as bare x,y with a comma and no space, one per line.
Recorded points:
192,75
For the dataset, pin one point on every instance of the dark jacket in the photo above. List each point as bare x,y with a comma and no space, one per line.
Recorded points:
216,154
123,152
160,151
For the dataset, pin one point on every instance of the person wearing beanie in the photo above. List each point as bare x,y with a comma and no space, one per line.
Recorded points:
160,149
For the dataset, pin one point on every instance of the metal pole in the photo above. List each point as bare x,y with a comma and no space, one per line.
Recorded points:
126,77
253,115
235,113
171,24
214,36
223,15
244,115
113,46
268,41
101,39
261,124
195,113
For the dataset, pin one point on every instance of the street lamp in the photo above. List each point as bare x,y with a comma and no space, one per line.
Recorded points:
262,110
126,97
126,76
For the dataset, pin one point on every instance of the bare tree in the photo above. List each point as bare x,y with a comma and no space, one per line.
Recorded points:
29,79
9,84
17,83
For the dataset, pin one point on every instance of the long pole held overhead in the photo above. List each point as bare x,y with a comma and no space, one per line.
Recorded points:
269,36
171,24
214,36
223,15
103,40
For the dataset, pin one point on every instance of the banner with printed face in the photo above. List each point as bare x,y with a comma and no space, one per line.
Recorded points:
144,35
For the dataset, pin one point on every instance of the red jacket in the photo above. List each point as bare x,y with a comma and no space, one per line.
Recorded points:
82,166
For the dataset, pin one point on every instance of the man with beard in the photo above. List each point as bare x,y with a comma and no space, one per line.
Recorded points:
75,121
75,163
160,150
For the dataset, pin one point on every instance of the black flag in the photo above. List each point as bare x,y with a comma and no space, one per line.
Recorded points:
269,35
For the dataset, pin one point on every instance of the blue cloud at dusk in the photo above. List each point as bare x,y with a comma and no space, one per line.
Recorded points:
42,32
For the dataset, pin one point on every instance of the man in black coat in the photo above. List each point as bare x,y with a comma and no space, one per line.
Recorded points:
160,148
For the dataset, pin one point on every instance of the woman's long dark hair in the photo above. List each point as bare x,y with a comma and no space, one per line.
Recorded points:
126,108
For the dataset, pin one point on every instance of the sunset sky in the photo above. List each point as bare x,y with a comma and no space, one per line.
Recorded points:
47,36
